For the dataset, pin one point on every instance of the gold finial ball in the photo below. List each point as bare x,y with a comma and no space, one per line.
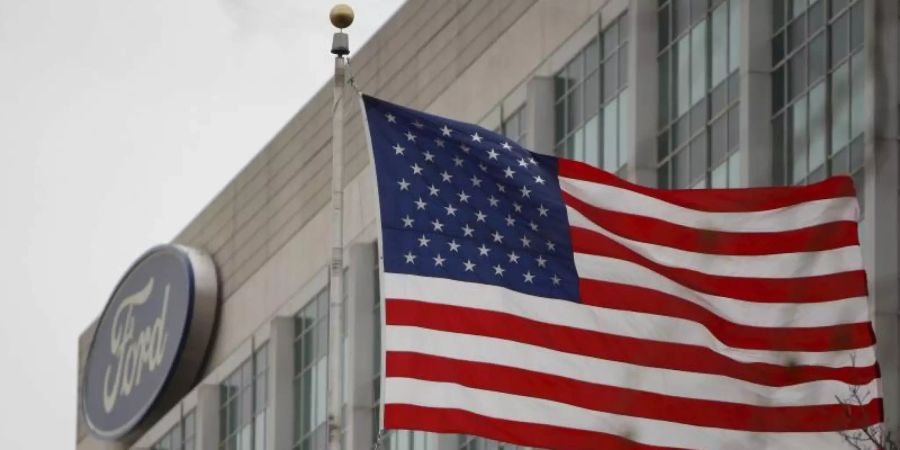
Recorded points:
341,15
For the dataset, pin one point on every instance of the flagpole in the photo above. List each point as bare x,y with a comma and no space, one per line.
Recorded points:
341,17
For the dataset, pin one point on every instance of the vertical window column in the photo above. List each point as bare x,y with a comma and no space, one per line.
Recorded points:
182,436
515,127
243,401
474,443
817,90
310,374
591,103
699,91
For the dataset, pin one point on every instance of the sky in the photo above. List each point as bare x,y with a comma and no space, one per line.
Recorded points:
119,122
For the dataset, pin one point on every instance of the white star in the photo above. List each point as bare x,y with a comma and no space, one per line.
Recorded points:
525,241
528,277
420,204
468,231
541,261
551,246
501,187
429,157
463,197
542,211
438,260
418,124
497,236
451,211
534,226
410,258
482,167
493,201
437,225
483,251
398,149
410,137
454,247
475,181
513,257
480,216
532,161
492,154
404,185
465,148
508,172
445,130
433,190
499,270
407,221
423,241
457,161
526,193
445,176
506,146
416,169
555,280
517,207
476,137
538,179
390,118
470,266
439,142
522,163
510,220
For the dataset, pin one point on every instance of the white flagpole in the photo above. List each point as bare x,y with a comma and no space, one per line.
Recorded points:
341,17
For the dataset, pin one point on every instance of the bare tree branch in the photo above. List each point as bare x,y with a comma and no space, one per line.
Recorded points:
875,436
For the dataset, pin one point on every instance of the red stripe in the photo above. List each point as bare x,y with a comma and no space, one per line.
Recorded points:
820,288
596,344
444,420
806,339
719,200
655,231
631,402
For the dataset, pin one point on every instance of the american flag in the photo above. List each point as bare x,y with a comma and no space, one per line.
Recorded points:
544,302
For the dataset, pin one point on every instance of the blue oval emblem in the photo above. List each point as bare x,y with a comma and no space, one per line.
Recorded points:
135,355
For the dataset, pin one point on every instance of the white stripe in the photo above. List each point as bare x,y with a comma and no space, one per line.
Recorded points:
781,265
669,382
622,323
767,315
647,431
794,217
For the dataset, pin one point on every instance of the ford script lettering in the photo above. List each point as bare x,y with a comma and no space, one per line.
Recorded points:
150,342
131,356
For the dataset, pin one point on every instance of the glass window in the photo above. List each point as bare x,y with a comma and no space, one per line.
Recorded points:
514,126
243,401
698,62
590,106
699,84
408,440
477,443
818,107
719,46
182,436
310,374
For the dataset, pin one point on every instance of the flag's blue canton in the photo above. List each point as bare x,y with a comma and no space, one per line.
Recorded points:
461,202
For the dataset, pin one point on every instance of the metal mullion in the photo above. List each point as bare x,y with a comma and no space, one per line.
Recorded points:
707,96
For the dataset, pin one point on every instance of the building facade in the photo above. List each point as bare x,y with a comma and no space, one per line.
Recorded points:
671,93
